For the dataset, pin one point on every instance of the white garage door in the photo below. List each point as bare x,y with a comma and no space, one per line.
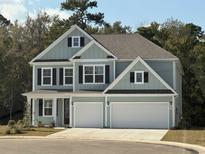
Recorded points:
88,114
139,115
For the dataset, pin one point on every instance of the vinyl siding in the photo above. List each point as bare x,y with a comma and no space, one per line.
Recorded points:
91,86
62,51
57,86
94,52
164,69
37,118
153,82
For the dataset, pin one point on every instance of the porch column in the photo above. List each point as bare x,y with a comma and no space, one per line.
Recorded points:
54,109
70,112
33,111
28,110
173,111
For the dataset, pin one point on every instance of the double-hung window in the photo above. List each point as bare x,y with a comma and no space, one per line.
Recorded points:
139,77
48,107
76,41
47,76
94,74
68,76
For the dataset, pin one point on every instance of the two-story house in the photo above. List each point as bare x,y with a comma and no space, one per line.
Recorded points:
111,81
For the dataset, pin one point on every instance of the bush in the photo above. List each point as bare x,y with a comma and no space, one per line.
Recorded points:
12,128
40,124
20,124
11,123
52,124
184,124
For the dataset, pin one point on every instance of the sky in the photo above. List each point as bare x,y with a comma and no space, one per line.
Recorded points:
130,12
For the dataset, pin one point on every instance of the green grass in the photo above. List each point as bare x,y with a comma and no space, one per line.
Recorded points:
31,131
186,136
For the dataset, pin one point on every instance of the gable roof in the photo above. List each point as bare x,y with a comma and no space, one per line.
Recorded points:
59,40
89,45
138,59
129,46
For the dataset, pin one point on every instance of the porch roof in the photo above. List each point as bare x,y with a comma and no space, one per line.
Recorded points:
61,93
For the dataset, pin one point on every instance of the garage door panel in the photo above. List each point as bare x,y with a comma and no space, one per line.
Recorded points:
88,114
139,115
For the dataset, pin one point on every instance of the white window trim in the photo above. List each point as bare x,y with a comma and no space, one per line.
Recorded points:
91,65
51,83
142,72
64,68
44,108
73,37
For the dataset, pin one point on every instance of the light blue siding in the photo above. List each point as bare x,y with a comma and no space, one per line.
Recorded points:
153,82
62,51
57,86
121,66
164,69
91,86
37,118
94,52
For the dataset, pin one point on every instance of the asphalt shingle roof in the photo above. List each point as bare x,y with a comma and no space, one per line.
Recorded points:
129,46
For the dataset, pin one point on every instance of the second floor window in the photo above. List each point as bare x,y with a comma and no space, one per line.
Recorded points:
76,41
94,74
68,76
47,76
139,77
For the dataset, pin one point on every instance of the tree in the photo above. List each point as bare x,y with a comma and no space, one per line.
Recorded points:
4,21
81,15
186,42
115,28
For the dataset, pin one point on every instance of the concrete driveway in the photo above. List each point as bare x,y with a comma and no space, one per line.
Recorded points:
111,134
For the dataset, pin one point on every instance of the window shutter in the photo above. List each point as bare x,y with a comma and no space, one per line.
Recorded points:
61,76
80,74
69,42
39,76
132,77
40,107
146,77
82,41
107,74
54,76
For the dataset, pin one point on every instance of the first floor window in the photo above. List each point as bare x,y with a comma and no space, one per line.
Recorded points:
94,74
68,76
46,76
139,77
48,107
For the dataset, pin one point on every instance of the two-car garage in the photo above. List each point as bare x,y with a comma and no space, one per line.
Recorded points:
121,115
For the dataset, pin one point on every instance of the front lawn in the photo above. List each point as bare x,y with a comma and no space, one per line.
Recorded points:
186,136
31,131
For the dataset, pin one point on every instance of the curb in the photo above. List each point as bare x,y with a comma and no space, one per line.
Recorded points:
199,149
22,137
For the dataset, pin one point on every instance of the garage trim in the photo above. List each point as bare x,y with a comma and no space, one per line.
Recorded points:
139,103
74,111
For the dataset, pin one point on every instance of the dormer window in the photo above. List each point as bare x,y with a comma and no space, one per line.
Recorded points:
76,41
139,77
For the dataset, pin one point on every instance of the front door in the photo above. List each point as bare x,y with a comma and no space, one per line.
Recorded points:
66,112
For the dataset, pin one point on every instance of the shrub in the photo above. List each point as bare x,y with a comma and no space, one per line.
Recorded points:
52,124
11,123
40,124
20,124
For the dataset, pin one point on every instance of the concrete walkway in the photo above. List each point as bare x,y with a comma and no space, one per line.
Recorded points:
111,134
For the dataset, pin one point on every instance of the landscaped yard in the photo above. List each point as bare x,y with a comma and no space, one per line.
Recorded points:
186,136
31,131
